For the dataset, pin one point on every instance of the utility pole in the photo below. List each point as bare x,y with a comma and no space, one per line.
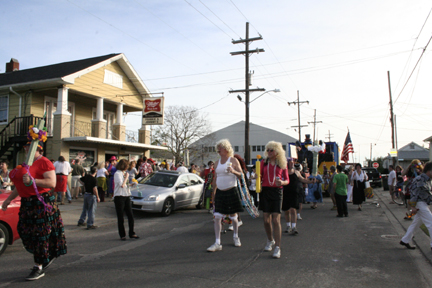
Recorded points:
329,136
298,102
391,116
247,90
314,123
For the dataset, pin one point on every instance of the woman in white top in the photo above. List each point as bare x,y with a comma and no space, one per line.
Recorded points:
358,180
122,200
225,195
62,170
101,175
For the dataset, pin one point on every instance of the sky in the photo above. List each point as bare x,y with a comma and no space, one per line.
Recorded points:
336,54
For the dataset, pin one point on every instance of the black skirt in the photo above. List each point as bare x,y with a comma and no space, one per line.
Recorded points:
228,201
358,192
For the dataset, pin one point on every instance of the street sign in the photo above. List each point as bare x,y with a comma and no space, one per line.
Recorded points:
393,153
153,112
375,165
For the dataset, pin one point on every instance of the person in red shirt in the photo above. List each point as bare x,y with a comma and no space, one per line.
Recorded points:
274,175
40,224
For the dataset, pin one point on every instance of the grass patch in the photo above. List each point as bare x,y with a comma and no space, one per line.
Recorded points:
425,230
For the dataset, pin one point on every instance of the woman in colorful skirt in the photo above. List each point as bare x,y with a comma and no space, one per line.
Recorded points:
40,224
225,196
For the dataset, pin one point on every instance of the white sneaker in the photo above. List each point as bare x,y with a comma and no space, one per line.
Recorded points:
237,241
215,247
299,217
277,252
269,245
240,223
288,229
230,227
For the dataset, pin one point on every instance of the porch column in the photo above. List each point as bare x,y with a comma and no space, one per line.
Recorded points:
62,124
144,136
99,125
119,130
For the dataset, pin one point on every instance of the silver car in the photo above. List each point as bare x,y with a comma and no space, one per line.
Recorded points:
166,191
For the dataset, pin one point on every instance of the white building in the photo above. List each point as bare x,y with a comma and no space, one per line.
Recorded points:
204,149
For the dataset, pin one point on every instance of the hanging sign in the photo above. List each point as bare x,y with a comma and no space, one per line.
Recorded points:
153,111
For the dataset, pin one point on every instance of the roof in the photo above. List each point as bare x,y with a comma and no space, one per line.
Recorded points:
54,71
413,151
257,134
67,72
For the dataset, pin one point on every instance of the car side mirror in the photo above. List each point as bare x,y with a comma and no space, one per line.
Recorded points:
181,186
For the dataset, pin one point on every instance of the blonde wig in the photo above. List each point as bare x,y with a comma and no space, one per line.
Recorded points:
281,160
225,144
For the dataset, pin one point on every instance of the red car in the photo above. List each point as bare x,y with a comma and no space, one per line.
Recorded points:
8,222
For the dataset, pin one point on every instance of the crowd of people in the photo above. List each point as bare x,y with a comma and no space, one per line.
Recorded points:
285,187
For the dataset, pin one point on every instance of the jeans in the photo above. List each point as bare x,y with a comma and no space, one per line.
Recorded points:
89,207
123,204
423,215
68,195
341,204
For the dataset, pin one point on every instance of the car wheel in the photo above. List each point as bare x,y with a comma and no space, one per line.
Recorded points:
4,238
167,207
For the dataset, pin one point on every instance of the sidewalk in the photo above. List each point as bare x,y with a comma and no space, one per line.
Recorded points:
396,217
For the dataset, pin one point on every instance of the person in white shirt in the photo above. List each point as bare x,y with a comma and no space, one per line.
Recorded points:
122,200
62,170
392,182
182,169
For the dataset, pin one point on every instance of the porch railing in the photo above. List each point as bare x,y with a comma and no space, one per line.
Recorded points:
81,128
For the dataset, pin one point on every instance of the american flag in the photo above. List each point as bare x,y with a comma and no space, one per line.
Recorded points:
347,148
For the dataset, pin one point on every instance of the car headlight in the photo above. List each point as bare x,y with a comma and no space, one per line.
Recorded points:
152,198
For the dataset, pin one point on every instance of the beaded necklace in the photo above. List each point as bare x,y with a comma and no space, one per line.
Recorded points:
274,174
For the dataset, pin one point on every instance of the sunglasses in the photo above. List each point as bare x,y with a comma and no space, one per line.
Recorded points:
270,150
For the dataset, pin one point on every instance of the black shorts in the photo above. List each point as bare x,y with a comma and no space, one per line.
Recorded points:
271,200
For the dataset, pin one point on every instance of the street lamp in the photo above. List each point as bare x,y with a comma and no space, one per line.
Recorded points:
247,148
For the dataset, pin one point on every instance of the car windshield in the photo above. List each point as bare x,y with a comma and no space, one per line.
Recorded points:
160,179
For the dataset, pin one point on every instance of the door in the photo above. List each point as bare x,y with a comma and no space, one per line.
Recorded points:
196,189
182,194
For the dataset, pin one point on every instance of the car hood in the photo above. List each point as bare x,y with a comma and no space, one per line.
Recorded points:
149,190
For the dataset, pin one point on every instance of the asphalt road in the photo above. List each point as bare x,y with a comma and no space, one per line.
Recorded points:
358,251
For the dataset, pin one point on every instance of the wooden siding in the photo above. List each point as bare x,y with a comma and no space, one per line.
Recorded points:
92,84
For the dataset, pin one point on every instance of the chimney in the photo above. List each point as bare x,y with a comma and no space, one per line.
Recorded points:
13,65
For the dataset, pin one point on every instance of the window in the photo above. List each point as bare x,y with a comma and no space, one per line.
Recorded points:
284,147
4,105
113,79
236,148
263,147
258,148
254,148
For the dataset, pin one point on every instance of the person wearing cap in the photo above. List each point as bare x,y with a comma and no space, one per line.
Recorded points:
40,224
